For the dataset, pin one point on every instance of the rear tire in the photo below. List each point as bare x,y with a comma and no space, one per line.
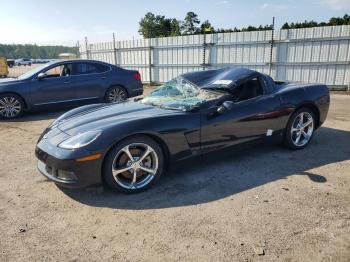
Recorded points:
133,165
11,106
300,129
116,94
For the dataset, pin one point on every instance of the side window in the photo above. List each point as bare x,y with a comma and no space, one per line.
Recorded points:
250,89
90,68
58,71
264,82
102,68
255,84
66,70
84,69
53,72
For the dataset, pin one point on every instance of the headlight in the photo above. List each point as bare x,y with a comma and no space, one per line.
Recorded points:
80,140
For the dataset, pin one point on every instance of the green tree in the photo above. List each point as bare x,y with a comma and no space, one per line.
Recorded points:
206,25
286,26
333,21
158,26
346,19
336,21
148,26
190,24
175,27
163,26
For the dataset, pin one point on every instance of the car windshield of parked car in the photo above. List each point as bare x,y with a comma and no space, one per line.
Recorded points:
179,94
32,72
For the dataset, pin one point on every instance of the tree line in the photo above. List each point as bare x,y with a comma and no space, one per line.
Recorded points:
152,25
15,51
345,20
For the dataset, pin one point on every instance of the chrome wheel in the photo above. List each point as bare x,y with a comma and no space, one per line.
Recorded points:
135,166
302,129
116,94
10,107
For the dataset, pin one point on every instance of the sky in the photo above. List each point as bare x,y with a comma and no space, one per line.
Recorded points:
64,22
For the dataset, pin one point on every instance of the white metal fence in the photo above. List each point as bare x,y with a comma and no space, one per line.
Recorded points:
319,54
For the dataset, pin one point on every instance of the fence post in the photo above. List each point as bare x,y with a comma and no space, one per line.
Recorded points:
87,48
114,50
204,64
150,61
78,46
272,40
204,49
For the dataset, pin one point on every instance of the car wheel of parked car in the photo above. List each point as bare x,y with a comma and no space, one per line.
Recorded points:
11,106
134,165
116,94
300,129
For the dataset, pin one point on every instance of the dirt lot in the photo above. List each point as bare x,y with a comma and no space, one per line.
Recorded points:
263,204
18,70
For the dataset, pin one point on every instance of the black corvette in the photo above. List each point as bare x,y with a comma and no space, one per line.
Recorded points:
130,144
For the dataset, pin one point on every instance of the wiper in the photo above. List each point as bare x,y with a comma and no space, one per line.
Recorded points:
194,109
149,103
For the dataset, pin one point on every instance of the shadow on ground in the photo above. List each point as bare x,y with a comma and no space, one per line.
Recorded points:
223,174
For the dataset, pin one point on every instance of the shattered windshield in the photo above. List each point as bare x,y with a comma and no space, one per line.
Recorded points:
179,94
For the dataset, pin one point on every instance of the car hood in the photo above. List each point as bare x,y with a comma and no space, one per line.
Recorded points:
9,80
107,115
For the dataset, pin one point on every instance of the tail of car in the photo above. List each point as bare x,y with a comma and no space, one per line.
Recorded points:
313,96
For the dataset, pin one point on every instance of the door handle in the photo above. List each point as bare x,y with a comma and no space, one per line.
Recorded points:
104,77
66,82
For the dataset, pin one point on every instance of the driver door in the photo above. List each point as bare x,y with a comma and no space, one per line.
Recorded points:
249,119
55,87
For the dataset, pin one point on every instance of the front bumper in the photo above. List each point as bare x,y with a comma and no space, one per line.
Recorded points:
68,172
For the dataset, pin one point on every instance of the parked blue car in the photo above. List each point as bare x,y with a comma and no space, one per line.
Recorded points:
67,83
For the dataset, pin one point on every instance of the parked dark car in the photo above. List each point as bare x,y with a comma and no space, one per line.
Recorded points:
67,83
130,144
10,63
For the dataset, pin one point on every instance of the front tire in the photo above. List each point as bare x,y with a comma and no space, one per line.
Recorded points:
11,106
300,129
133,165
116,94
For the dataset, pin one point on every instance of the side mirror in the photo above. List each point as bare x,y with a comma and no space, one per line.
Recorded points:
226,106
41,76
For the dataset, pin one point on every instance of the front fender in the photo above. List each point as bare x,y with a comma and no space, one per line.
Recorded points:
180,133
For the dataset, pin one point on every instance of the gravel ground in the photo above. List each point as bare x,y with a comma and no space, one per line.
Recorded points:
261,204
19,70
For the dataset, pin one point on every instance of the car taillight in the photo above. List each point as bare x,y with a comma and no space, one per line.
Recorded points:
137,76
